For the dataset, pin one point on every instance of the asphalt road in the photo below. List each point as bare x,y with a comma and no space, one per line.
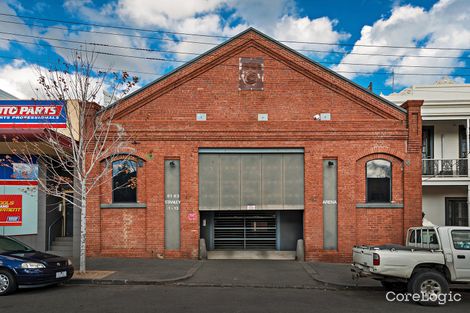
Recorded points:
175,299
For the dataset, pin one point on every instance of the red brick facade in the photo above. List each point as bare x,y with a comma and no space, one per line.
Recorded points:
161,118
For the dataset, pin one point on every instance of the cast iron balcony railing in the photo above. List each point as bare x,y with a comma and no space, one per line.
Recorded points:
445,167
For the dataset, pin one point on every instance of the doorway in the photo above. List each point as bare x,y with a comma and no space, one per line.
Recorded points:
456,212
67,216
252,230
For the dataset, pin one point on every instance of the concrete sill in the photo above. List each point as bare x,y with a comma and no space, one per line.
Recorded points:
379,205
131,205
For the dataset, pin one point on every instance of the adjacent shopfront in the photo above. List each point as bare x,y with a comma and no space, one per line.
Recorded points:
26,211
252,147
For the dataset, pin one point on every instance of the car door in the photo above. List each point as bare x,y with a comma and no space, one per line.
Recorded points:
460,241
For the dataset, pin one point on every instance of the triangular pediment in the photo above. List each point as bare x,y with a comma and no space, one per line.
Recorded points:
300,68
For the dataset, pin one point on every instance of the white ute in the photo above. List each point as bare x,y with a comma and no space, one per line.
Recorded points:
432,258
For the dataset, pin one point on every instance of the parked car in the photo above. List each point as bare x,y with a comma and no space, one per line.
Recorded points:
24,267
432,258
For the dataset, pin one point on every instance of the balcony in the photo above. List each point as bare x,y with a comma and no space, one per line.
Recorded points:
445,167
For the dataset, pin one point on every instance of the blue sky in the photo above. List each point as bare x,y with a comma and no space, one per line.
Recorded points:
350,34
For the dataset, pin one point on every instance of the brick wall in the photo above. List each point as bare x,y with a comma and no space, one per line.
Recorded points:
161,120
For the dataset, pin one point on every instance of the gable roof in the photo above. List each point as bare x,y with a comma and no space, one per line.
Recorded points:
270,39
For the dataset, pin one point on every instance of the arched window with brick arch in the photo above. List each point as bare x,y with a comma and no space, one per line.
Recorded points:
124,181
379,181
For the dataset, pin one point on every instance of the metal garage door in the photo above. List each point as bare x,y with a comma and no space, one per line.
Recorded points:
251,179
245,230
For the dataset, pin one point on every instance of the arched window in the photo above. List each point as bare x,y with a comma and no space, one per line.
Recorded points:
379,180
124,181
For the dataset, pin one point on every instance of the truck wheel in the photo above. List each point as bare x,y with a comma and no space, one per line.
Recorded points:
430,285
7,282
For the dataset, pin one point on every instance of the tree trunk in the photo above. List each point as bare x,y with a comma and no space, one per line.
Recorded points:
83,229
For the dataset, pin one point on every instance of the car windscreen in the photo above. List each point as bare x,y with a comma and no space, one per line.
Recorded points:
10,245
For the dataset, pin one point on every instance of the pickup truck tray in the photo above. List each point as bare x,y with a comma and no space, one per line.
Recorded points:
394,247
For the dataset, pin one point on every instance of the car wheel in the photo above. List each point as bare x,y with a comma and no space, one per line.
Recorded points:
7,282
430,285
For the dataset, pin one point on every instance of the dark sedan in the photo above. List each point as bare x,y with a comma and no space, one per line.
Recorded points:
24,267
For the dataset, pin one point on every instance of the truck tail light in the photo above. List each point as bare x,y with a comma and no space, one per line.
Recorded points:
376,259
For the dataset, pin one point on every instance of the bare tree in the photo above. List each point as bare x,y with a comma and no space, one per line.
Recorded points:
72,155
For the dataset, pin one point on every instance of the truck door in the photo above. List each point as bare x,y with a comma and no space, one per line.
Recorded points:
461,251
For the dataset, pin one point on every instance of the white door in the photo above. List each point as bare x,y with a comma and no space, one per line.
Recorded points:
461,248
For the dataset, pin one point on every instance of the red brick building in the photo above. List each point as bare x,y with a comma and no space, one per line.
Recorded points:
251,147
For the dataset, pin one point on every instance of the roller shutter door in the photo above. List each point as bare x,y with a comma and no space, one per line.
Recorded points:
245,230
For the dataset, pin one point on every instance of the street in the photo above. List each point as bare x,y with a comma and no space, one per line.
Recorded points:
93,298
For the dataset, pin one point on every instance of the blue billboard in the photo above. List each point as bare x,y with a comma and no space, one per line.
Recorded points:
33,114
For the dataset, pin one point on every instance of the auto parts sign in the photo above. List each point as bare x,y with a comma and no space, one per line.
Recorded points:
32,114
11,210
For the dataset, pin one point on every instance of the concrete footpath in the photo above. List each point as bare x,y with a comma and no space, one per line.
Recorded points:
229,273
339,275
127,271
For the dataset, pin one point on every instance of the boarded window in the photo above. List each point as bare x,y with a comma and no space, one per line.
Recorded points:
251,74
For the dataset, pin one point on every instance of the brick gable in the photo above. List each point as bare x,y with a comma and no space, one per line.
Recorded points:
161,120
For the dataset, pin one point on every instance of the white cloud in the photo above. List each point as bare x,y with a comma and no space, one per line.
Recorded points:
18,27
163,13
277,18
262,13
19,79
105,61
86,9
308,30
444,25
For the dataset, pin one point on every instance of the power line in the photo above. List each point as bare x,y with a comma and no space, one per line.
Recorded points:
228,65
111,26
158,75
428,91
110,33
152,73
225,37
214,44
98,44
197,54
39,62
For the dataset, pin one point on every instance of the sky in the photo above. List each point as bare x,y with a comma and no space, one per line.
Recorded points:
391,43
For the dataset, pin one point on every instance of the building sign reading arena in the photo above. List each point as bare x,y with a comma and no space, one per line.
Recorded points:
33,114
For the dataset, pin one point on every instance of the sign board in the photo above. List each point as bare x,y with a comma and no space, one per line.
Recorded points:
13,167
192,217
172,205
33,114
11,210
